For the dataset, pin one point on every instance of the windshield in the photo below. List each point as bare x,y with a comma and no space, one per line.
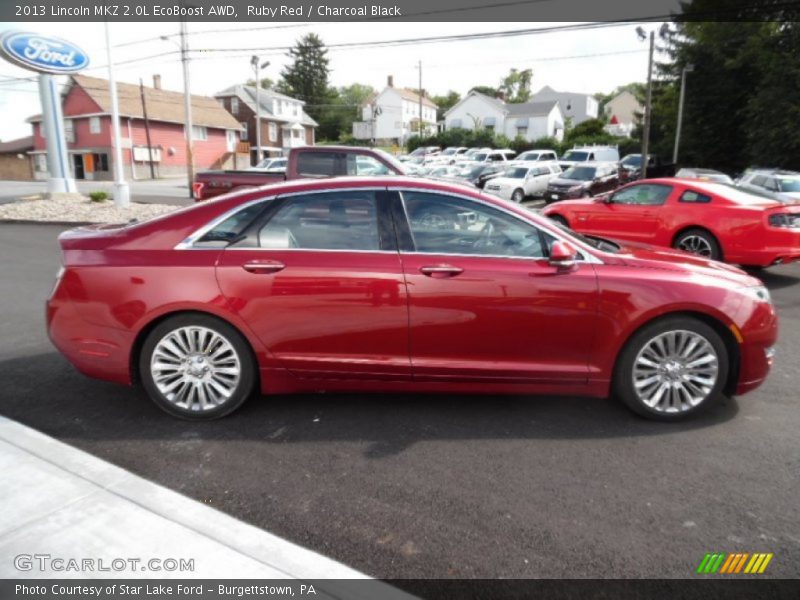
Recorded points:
528,156
517,173
396,164
471,171
790,185
418,152
576,156
632,160
449,152
480,157
579,173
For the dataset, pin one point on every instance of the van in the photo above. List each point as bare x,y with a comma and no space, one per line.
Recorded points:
581,154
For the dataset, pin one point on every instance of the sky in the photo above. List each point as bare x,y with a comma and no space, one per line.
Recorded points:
589,61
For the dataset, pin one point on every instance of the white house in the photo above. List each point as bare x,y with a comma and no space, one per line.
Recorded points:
623,111
530,120
574,106
394,114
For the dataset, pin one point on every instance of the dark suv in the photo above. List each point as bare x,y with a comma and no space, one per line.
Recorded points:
582,181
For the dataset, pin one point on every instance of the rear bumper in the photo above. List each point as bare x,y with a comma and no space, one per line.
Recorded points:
96,351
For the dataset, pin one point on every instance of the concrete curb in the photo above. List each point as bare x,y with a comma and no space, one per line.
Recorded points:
205,524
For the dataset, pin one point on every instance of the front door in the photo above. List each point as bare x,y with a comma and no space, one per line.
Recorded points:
632,213
321,284
77,162
484,304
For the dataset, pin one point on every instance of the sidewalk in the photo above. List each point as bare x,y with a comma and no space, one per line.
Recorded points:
60,501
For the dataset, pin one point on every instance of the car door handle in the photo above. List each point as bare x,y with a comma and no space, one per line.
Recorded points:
263,267
441,271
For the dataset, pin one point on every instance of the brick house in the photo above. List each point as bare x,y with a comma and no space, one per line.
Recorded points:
86,103
284,123
15,164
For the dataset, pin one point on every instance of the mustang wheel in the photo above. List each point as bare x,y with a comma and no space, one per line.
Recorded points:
671,369
197,367
700,242
518,196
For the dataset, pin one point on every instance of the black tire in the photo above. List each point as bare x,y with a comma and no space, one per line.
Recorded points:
623,383
239,392
518,196
701,238
559,219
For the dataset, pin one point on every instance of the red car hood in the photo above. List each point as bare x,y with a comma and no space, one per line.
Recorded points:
655,257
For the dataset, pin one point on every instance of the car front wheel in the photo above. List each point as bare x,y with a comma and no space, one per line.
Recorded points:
197,367
518,196
671,369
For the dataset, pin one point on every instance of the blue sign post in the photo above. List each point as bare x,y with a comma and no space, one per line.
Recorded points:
48,56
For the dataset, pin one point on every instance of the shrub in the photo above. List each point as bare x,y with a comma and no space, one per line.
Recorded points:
98,196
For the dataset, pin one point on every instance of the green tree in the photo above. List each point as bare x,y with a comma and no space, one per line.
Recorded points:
516,86
266,83
306,77
485,89
445,103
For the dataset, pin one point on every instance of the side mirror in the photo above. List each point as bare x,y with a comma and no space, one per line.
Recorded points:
562,255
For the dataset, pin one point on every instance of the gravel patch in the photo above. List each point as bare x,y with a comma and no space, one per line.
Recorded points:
78,209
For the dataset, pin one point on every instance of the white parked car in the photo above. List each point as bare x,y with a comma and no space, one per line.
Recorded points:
271,165
537,156
521,181
450,155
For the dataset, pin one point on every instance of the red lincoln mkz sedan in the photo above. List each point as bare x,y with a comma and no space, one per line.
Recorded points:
397,284
714,220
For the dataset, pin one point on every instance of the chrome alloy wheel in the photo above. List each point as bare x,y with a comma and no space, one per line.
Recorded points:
675,371
195,368
696,244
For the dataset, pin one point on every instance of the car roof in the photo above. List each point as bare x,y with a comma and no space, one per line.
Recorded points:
595,163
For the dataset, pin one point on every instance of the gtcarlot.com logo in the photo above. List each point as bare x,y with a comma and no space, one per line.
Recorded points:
735,563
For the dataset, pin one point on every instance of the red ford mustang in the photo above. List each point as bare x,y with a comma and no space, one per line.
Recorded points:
710,219
397,284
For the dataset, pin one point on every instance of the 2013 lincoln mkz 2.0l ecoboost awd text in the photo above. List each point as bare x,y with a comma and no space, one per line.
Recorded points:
398,284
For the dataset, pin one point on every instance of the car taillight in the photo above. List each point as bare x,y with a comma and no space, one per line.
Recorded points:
197,190
785,220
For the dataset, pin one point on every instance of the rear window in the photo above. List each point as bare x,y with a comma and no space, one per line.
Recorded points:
318,164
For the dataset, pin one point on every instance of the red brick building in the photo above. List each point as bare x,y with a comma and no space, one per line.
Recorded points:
86,105
284,123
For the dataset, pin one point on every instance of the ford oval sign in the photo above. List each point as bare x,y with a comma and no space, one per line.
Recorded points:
42,53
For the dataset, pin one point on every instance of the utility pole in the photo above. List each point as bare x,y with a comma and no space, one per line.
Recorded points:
187,99
122,193
687,69
146,129
648,107
419,125
254,60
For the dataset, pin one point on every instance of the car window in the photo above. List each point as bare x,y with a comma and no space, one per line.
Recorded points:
327,221
541,171
759,180
451,225
317,164
646,194
694,197
365,165
229,229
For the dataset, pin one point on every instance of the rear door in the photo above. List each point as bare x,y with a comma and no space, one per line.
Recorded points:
319,280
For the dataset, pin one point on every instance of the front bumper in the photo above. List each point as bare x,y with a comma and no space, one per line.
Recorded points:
757,348
554,195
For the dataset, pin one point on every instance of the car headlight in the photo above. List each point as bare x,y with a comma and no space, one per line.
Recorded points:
759,293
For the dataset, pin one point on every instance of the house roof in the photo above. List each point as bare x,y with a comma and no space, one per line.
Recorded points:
519,109
16,146
162,105
247,94
406,94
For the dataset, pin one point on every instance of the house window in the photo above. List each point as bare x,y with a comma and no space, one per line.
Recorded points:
295,109
273,132
235,105
94,124
69,130
522,131
244,133
199,133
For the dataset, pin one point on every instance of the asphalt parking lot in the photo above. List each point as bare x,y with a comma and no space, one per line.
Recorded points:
416,486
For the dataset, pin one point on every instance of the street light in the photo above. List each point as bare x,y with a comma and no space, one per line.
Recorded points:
642,35
254,60
187,103
687,69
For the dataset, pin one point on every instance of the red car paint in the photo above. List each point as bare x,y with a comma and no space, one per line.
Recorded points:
738,220
346,320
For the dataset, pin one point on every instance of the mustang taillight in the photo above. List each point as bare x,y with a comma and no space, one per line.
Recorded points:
785,220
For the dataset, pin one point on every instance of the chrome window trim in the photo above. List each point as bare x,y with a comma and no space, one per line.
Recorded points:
188,242
590,258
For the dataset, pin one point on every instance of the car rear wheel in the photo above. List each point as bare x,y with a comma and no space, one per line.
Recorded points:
671,369
700,242
197,367
518,196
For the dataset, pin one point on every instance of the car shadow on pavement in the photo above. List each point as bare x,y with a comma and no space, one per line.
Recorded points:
775,280
43,391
